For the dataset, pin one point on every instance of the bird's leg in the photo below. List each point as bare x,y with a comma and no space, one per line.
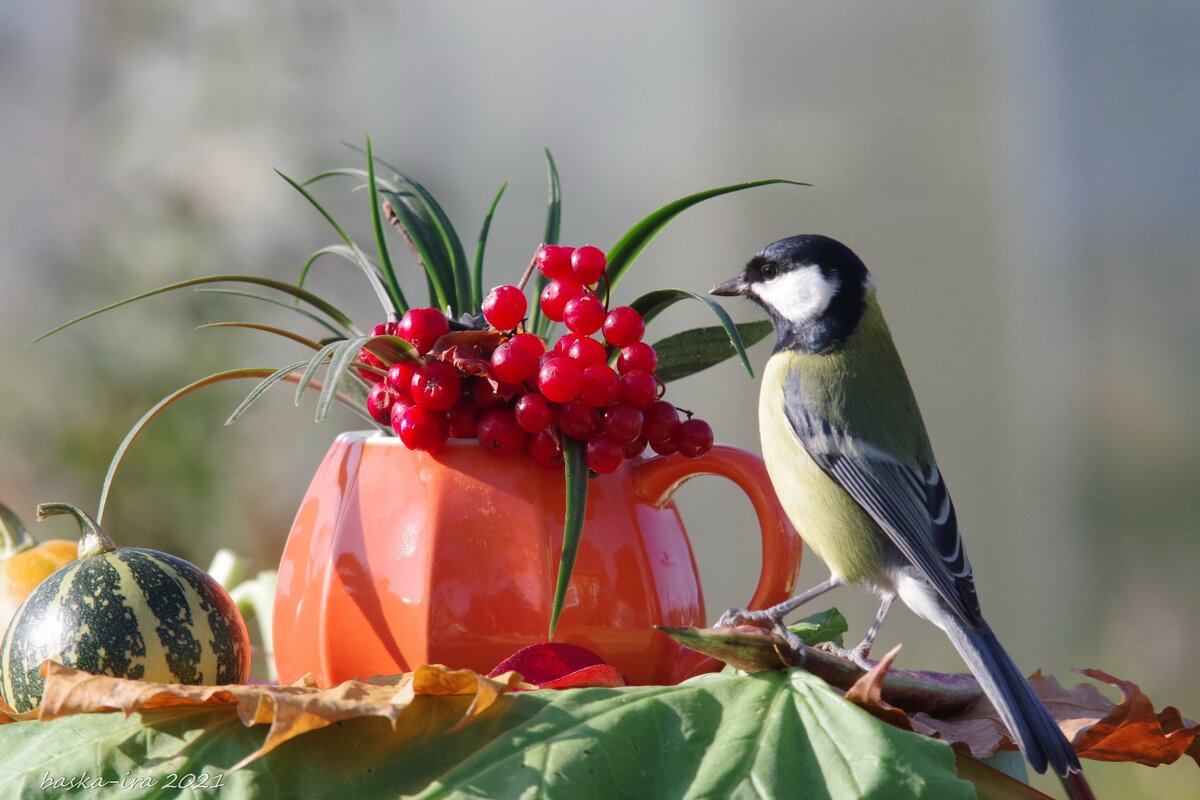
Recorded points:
859,654
773,617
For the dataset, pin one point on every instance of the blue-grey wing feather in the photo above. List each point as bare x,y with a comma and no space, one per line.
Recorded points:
910,503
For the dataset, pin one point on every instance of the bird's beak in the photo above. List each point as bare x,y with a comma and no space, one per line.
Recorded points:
734,287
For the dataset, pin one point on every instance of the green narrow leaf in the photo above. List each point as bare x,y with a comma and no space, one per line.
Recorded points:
623,253
287,288
576,471
550,235
396,300
341,333
421,237
358,259
651,304
258,391
346,172
691,351
450,245
161,405
313,364
385,258
339,363
254,326
477,280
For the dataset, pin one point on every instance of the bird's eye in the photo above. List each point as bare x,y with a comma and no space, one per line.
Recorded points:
768,271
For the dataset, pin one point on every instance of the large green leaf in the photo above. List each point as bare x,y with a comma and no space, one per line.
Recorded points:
623,253
691,351
651,304
769,735
576,472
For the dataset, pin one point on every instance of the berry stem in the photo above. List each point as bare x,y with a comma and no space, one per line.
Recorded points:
528,271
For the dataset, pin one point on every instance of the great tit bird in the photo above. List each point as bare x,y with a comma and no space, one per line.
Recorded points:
849,457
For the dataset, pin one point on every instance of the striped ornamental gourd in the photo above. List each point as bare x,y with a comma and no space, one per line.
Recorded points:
127,612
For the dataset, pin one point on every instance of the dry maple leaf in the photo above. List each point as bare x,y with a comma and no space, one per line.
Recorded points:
290,710
470,352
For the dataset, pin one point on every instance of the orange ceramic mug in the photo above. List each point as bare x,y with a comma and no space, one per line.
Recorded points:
399,558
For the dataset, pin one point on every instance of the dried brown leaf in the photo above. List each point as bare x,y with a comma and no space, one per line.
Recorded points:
470,352
867,693
290,710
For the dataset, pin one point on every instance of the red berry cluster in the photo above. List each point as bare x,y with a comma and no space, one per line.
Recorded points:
526,396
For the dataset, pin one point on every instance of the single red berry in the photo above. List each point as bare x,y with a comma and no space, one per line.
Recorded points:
600,386
422,327
422,429
379,402
587,264
660,420
517,359
638,388
385,329
583,314
505,307
623,326
554,261
400,375
557,294
588,352
578,420
622,423
638,355
399,406
565,341
499,432
367,357
436,386
560,379
664,448
532,412
636,447
545,450
694,438
462,417
603,455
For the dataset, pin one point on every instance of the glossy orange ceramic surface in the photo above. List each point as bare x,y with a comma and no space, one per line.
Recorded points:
399,558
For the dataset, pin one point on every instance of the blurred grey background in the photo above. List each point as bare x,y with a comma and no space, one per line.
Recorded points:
1022,178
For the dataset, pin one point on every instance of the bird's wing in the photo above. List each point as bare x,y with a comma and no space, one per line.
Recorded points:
910,503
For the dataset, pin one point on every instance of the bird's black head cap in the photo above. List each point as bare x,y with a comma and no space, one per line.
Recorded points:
813,287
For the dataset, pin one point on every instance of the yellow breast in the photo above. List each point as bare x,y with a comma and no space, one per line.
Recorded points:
825,515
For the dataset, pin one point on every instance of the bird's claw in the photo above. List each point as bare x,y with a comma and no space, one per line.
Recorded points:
857,655
792,648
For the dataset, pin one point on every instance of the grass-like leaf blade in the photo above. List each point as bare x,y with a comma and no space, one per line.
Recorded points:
313,365
450,245
254,326
691,351
161,405
341,333
347,172
418,232
477,278
287,288
385,258
576,472
258,391
367,266
651,304
339,363
623,253
550,235
359,259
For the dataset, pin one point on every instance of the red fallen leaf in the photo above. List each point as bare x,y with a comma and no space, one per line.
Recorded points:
552,665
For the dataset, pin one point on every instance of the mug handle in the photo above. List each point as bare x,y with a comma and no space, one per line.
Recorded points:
656,479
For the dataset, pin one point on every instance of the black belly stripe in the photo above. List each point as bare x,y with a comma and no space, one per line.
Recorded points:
173,616
229,643
21,660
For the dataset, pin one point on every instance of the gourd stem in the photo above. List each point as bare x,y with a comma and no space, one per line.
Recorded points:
93,541
14,536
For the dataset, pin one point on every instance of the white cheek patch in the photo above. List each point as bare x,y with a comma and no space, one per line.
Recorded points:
800,295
